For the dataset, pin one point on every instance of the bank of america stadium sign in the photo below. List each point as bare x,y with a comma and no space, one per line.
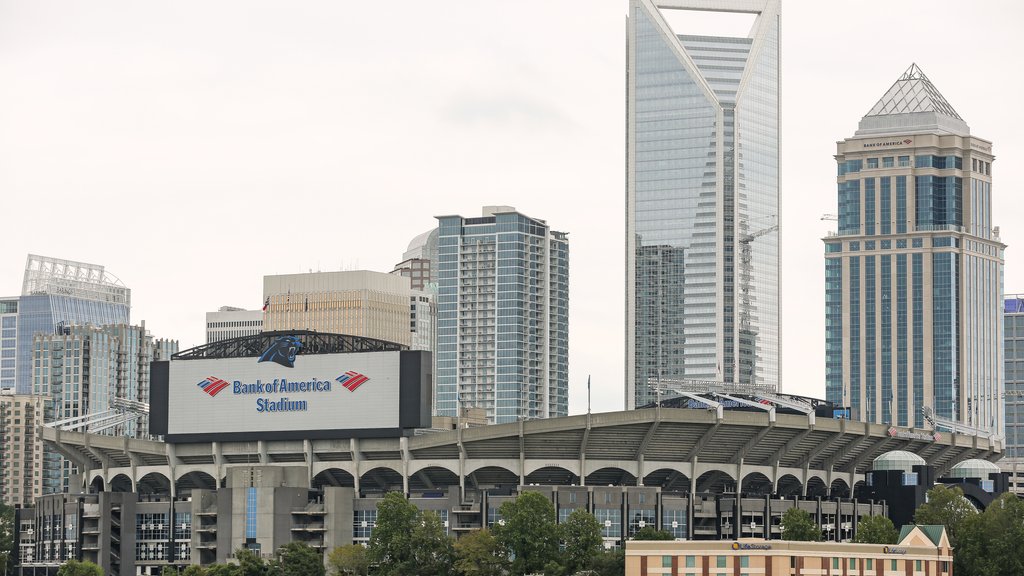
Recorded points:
270,395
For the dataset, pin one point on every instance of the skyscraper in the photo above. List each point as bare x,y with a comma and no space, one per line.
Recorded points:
913,278
502,316
21,451
702,198
62,292
1013,332
92,370
8,344
231,322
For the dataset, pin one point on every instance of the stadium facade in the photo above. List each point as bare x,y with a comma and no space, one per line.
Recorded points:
716,465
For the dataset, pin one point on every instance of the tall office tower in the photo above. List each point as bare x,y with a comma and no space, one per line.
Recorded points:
21,452
913,279
94,371
1013,332
419,263
8,344
61,292
360,303
230,322
502,316
702,198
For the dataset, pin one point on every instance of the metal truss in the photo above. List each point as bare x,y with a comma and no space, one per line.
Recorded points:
312,343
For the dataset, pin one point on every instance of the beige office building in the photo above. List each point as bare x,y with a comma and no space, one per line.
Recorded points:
921,551
360,303
21,449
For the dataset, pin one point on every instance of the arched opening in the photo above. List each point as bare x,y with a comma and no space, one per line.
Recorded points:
789,485
839,489
860,490
380,480
756,484
552,476
121,483
715,482
669,480
96,486
154,483
333,477
610,476
195,480
816,488
492,477
433,479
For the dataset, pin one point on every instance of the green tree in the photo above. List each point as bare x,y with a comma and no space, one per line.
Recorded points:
349,560
478,554
250,563
391,539
194,570
297,559
991,542
798,525
651,533
76,568
608,563
6,538
947,507
223,570
581,533
528,532
170,571
433,552
876,530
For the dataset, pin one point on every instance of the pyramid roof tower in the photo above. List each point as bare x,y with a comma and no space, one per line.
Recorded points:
912,104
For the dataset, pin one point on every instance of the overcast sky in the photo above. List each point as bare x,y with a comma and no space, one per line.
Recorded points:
193,146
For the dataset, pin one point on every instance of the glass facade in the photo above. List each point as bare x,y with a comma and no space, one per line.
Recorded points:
8,344
1013,319
702,205
502,316
928,330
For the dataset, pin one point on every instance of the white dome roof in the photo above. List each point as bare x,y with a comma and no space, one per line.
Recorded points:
973,469
897,460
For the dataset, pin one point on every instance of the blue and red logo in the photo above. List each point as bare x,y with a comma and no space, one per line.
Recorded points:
213,385
352,380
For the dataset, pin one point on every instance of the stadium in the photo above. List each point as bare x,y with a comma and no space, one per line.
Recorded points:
711,464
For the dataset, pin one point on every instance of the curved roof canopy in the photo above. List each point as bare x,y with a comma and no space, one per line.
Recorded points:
973,468
897,460
312,343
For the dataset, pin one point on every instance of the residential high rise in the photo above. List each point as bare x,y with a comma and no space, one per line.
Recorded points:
21,452
62,292
94,371
419,263
360,303
913,295
1013,333
702,198
230,322
8,344
502,316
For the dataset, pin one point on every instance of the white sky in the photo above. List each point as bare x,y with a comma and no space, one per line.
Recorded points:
192,146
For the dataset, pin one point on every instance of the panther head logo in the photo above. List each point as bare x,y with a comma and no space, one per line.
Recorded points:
282,351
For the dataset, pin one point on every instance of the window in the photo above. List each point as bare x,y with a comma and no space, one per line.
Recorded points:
917,242
869,564
917,565
887,162
691,562
904,161
744,561
720,562
892,565
666,561
872,162
853,563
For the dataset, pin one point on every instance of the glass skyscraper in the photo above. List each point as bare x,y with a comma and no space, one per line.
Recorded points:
1013,326
61,292
502,316
913,277
702,199
8,344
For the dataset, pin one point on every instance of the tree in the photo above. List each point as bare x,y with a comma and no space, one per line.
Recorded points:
194,570
478,554
608,563
250,563
297,559
528,532
391,539
947,507
432,551
76,568
990,542
349,560
798,525
651,533
876,530
223,570
7,538
581,533
170,571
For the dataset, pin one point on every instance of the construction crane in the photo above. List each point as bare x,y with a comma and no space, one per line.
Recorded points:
746,352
